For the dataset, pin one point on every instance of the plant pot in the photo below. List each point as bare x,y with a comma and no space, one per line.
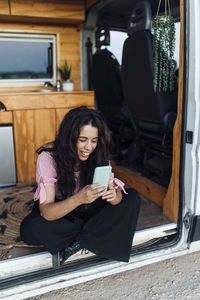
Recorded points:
68,85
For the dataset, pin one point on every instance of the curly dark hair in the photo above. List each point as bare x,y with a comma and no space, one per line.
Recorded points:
64,149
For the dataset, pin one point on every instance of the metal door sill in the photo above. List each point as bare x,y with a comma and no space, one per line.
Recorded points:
75,273
41,261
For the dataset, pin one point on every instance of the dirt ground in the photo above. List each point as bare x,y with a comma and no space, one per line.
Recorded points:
174,279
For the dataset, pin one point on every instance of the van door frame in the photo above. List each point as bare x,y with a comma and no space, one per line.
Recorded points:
35,285
192,149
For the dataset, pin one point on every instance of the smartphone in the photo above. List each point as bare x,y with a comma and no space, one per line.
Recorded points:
102,176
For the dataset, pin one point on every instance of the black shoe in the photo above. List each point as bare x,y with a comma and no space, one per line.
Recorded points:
69,251
60,257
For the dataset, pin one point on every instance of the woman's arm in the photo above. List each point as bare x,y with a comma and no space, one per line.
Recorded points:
51,210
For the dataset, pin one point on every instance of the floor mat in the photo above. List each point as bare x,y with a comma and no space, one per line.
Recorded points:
15,204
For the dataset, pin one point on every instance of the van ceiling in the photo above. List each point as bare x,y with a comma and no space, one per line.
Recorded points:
116,13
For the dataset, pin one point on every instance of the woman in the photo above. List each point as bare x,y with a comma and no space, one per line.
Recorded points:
69,214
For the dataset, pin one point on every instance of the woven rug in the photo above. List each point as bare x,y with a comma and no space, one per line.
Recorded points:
15,204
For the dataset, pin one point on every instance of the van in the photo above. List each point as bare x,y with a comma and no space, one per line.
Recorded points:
156,139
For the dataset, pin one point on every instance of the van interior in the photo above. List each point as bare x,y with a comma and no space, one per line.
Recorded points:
116,57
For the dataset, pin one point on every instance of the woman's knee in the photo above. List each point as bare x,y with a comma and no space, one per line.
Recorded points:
136,196
24,225
26,231
132,198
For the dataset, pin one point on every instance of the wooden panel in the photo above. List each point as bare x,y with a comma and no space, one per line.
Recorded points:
4,7
19,101
31,130
144,186
6,117
24,145
171,201
60,113
68,45
45,126
62,9
36,20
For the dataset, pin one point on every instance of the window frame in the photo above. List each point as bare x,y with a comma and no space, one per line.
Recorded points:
50,38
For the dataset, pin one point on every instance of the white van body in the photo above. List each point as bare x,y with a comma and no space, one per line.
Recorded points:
32,275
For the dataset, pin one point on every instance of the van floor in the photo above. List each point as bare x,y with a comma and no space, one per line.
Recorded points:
150,216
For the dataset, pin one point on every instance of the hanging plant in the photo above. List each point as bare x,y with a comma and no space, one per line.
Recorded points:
163,29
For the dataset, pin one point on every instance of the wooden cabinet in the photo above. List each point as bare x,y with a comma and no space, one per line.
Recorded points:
32,128
5,117
62,9
60,113
4,7
36,118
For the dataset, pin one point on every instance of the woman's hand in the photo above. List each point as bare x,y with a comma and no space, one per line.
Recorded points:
112,196
88,194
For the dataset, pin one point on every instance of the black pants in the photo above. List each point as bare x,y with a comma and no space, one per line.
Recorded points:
107,233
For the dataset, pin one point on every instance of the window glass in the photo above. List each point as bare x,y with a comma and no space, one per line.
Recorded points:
117,39
25,60
177,43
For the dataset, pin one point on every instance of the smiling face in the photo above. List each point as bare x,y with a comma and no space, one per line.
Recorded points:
87,141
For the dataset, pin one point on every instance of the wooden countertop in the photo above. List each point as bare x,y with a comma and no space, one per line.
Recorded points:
40,92
38,100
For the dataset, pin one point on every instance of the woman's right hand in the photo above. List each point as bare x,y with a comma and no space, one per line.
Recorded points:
88,194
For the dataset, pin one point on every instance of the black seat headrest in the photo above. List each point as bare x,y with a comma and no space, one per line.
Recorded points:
141,18
102,36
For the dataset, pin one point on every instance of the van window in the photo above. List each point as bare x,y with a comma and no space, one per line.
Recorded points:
117,39
177,43
27,58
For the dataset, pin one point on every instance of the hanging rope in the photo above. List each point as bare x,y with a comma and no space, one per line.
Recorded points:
165,8
158,8
169,8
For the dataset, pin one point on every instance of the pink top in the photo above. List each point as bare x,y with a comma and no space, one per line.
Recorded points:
46,168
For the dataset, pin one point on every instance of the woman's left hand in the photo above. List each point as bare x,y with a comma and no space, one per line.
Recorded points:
113,196
110,194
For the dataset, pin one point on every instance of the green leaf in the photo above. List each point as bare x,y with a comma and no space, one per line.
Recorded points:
65,71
